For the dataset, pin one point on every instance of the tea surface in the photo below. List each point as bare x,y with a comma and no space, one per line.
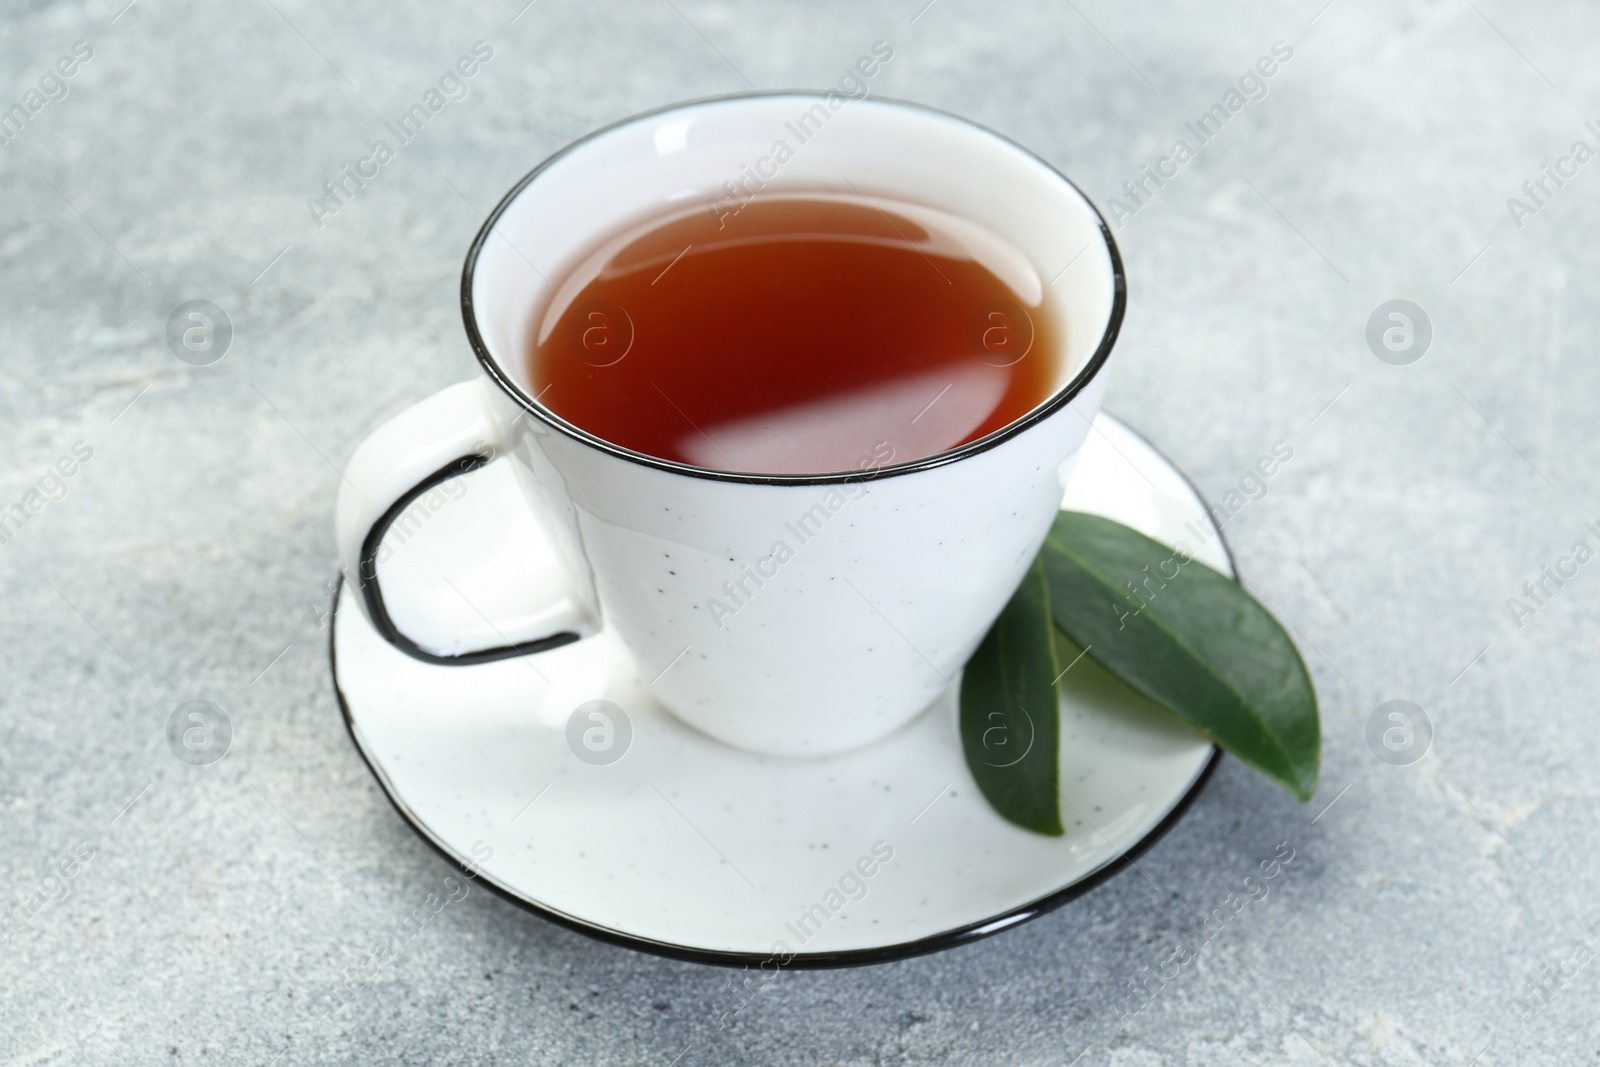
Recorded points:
800,335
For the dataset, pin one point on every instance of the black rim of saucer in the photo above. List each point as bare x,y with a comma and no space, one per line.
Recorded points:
802,960
1060,399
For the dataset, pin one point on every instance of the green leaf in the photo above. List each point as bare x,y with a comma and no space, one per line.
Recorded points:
1010,722
1188,638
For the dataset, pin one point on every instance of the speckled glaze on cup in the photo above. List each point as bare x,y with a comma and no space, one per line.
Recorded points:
786,614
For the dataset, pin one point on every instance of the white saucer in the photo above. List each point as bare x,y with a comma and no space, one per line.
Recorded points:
688,848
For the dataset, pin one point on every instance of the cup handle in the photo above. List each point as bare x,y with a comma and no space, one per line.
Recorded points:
447,435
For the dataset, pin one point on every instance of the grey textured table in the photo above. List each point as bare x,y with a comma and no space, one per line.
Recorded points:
162,912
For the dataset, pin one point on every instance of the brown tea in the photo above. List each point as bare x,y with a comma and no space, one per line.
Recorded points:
801,334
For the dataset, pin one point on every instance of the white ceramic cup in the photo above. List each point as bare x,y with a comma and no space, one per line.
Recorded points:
888,577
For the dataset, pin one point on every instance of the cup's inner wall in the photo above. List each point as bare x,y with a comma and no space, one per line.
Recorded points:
664,162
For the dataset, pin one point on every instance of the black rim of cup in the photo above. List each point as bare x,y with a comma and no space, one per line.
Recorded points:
1058,400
